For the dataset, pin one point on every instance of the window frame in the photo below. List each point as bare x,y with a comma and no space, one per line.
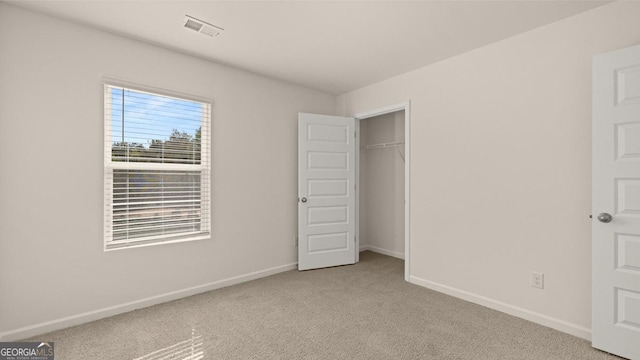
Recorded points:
109,166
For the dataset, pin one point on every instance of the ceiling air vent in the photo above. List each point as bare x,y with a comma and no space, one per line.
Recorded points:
202,27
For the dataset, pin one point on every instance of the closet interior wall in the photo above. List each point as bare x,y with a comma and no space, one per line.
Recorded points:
381,200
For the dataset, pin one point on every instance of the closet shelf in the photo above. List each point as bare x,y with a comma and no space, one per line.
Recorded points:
384,145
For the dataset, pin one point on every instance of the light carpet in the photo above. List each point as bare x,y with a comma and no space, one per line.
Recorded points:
362,311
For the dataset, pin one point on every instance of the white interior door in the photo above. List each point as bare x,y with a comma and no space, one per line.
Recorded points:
616,203
326,191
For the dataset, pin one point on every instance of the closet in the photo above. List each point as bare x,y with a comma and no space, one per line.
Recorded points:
381,181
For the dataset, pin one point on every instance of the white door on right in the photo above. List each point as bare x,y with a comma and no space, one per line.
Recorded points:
616,203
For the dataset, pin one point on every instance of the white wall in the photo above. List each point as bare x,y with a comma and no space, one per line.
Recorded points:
382,185
53,271
501,166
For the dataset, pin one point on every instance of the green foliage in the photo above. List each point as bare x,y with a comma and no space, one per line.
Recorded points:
181,147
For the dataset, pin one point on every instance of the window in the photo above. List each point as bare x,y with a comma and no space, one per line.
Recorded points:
157,174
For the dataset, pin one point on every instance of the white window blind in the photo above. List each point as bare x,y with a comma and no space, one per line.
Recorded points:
157,175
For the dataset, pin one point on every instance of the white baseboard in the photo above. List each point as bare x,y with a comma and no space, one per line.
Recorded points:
548,321
48,326
382,251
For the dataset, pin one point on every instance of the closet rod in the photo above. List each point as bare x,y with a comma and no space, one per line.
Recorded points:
384,145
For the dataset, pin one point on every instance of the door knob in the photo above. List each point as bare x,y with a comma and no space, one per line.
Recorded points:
605,218
304,199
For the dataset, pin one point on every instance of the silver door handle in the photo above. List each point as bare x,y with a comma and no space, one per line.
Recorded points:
605,218
304,199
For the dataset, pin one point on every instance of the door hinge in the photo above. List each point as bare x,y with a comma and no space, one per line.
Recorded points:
355,134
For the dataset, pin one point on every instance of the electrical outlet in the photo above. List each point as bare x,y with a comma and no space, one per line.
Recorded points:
537,280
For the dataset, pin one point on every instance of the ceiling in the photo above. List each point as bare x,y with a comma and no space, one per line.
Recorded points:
333,46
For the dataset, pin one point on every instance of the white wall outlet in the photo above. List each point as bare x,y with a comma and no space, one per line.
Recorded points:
537,280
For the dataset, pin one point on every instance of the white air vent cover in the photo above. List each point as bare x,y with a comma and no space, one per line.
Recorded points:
202,27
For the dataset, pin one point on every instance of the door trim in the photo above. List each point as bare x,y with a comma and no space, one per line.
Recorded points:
406,106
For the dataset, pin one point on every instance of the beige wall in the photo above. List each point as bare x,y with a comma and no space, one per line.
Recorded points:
382,185
52,266
501,166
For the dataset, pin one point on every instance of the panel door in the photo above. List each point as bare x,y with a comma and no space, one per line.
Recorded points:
326,196
616,203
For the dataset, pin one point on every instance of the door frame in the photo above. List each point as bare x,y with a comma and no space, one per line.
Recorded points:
406,106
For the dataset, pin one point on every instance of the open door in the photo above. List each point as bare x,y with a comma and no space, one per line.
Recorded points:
326,191
616,203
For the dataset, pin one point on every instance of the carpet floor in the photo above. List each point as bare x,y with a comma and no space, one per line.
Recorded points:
362,311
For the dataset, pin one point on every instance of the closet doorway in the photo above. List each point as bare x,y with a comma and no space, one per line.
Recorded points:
382,205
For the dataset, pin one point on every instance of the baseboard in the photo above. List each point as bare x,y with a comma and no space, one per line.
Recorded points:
382,251
48,326
548,321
